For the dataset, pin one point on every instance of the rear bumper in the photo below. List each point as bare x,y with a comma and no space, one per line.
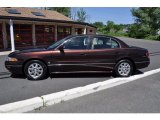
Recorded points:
14,68
140,65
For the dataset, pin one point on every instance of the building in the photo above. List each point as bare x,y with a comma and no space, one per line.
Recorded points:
22,27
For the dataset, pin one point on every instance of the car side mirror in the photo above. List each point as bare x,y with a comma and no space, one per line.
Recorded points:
61,48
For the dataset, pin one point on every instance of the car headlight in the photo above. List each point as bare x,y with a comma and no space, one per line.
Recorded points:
11,59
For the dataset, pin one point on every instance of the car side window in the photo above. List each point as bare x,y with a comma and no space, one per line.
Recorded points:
104,43
76,43
114,44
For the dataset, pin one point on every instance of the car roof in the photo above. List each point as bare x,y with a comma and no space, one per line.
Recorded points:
96,35
92,35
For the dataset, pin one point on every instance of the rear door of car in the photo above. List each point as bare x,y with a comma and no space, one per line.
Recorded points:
103,53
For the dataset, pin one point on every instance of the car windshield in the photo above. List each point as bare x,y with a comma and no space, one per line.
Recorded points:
56,44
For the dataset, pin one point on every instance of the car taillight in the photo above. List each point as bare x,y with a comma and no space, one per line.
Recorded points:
147,54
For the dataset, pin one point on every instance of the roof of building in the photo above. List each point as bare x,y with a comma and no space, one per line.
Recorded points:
26,13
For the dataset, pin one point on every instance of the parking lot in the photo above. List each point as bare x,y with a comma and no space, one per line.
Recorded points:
19,88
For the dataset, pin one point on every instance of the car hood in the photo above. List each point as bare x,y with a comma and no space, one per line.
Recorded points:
27,51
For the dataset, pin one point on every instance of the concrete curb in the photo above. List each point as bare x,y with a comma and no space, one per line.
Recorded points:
5,53
22,106
54,98
59,97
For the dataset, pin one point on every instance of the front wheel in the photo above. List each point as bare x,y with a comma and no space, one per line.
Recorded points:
35,70
124,68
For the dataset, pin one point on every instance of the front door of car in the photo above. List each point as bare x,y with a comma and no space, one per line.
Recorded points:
72,56
103,53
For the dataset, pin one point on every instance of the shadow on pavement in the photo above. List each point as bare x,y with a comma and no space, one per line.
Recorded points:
70,75
77,75
137,72
18,76
90,75
81,75
5,75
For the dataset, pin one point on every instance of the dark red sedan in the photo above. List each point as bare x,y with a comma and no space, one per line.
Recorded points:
79,54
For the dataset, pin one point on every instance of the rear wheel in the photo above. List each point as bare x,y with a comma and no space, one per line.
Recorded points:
35,70
124,68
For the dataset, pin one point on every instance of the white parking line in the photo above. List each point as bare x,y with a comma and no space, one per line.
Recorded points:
54,98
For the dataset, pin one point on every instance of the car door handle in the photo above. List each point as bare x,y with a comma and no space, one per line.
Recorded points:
117,53
83,54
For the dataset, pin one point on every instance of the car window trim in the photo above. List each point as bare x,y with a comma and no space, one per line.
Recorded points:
113,39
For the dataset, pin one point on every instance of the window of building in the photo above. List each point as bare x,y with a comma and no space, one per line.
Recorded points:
45,34
104,43
22,35
79,31
1,37
38,14
13,11
63,32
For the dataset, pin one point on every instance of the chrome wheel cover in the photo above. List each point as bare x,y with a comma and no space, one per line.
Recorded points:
35,70
124,69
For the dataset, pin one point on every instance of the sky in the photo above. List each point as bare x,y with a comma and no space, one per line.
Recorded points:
119,15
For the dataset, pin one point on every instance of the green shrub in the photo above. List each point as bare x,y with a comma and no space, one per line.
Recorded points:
118,34
151,37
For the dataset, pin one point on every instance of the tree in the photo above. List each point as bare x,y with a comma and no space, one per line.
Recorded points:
81,15
147,22
112,27
139,31
100,27
63,10
98,24
109,26
117,27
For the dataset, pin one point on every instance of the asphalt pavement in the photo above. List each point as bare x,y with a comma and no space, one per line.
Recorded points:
140,96
16,89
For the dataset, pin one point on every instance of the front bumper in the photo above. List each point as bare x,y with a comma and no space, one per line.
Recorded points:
14,67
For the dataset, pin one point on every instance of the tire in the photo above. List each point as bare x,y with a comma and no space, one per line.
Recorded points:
124,68
35,70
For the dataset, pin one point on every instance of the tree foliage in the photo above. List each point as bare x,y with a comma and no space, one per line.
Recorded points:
63,10
98,24
146,26
147,22
110,28
100,27
81,15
